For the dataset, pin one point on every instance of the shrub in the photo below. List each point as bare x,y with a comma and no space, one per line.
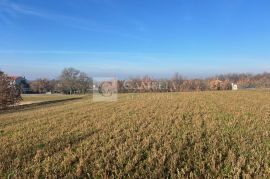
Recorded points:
10,94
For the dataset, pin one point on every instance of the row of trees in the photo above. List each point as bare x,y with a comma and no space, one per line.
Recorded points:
178,83
73,81
247,80
70,81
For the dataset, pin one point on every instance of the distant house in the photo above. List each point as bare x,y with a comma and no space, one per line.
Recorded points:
22,83
234,87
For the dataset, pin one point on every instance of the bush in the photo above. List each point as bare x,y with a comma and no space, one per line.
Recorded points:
10,94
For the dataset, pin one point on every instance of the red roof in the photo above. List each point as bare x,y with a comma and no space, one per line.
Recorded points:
13,77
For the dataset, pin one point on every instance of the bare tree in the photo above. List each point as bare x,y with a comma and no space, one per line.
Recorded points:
72,80
146,83
226,85
68,80
40,86
10,94
54,86
215,85
177,81
84,82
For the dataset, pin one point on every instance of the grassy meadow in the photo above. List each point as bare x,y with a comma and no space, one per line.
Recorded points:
37,98
153,135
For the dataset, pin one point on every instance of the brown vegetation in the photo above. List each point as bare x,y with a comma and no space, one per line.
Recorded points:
157,135
179,84
10,94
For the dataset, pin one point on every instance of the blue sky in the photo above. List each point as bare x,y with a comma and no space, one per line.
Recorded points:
132,37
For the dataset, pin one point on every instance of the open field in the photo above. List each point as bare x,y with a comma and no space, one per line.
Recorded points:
200,134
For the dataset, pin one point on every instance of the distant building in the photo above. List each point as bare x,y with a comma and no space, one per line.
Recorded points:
22,83
234,87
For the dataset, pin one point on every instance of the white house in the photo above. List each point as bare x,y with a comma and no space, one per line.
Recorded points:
234,86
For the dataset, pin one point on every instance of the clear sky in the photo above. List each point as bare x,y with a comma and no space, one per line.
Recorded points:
38,38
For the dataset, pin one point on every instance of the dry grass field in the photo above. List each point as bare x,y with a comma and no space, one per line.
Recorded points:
161,135
37,98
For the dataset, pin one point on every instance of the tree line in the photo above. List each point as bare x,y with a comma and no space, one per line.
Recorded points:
70,81
179,84
74,81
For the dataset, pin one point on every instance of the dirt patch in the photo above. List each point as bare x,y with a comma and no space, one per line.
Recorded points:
28,102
